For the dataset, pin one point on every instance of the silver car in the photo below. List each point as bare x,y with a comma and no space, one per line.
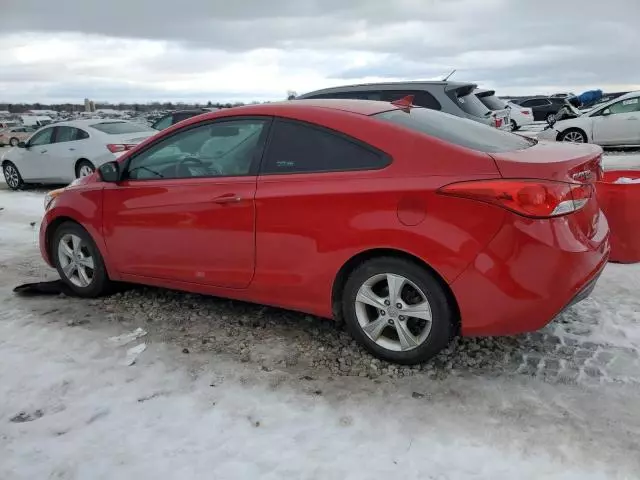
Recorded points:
455,98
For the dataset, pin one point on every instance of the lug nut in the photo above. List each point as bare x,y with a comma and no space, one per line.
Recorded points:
399,305
401,317
382,312
387,303
390,322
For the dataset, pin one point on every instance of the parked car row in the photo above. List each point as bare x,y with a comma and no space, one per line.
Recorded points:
455,98
614,123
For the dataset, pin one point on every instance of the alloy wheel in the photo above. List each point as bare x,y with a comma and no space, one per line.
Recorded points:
75,260
393,312
11,176
573,136
13,142
85,170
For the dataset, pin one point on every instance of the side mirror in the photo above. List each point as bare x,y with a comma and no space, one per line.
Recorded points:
109,172
606,112
22,145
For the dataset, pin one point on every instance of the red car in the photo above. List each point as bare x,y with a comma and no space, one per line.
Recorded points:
409,224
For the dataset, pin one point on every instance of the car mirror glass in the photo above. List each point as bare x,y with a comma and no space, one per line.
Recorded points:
109,172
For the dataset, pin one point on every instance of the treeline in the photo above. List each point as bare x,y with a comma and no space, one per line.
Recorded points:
136,107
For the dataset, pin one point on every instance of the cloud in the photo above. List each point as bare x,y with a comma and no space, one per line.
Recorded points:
254,49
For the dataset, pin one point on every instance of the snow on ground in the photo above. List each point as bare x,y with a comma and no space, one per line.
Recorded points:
72,409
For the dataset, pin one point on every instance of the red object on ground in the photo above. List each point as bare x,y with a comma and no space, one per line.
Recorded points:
503,224
620,203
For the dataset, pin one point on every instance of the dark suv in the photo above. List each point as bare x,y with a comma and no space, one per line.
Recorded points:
455,98
177,116
544,108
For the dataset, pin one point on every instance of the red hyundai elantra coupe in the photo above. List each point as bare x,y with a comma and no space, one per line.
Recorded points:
409,224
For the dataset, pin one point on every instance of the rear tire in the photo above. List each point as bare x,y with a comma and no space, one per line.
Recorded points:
514,126
12,176
14,142
551,117
84,168
78,261
397,327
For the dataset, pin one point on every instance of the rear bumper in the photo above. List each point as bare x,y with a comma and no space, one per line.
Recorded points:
528,274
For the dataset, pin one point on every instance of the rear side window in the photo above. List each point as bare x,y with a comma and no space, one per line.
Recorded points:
81,134
420,98
456,130
492,102
117,128
302,148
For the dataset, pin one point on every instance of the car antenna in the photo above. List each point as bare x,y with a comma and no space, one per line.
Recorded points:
447,77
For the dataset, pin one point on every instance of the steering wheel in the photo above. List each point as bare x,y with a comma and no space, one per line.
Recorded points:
196,161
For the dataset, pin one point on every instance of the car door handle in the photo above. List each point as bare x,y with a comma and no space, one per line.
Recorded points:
226,199
632,118
72,149
43,151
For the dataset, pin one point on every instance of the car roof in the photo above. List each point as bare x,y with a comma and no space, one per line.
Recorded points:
362,107
414,84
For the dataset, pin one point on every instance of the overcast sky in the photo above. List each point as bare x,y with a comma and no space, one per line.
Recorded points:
242,50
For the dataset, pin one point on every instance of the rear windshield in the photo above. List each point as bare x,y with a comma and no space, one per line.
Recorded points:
473,106
492,102
456,130
116,128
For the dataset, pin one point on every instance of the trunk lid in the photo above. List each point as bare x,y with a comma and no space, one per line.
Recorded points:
561,162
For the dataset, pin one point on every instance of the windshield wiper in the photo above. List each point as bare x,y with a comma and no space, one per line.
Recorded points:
147,169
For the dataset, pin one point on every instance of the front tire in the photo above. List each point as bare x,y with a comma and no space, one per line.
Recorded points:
573,135
78,261
12,176
397,310
84,168
514,126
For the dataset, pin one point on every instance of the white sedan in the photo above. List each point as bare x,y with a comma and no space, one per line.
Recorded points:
614,123
65,151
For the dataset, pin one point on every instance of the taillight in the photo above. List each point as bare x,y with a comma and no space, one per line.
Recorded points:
498,122
530,198
525,112
120,147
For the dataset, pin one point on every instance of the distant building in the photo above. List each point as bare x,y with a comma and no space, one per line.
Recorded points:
92,106
87,105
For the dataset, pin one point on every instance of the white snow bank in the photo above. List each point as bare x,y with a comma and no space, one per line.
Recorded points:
18,211
621,161
96,419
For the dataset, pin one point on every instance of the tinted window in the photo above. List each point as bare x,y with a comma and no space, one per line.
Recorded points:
625,106
178,117
420,98
117,128
473,106
81,134
456,130
65,134
213,150
43,137
163,123
364,95
301,148
492,102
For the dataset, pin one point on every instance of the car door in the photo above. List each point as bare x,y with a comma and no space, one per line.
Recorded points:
307,190
618,124
37,165
184,210
64,152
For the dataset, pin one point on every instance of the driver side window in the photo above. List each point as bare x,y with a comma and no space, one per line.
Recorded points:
220,149
42,138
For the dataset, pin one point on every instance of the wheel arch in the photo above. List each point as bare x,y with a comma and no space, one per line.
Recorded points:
77,164
361,257
578,129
